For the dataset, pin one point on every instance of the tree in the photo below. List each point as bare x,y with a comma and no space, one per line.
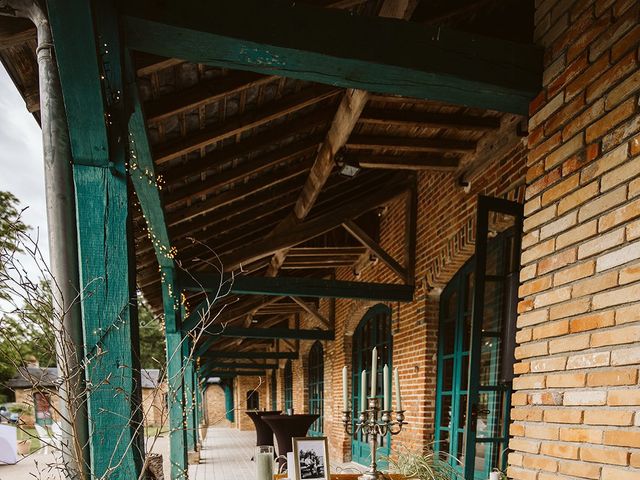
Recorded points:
11,226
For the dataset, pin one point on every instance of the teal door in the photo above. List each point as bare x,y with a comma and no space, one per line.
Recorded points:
475,348
374,330
316,388
288,386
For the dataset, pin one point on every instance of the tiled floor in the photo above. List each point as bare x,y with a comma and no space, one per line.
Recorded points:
226,455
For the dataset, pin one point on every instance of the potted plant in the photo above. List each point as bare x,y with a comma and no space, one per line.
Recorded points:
424,465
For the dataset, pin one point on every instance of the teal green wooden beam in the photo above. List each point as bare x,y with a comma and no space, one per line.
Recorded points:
302,287
95,111
285,333
195,316
253,355
235,373
175,376
80,71
142,171
240,365
370,53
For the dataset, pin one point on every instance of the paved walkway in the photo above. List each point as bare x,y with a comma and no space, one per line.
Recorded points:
226,455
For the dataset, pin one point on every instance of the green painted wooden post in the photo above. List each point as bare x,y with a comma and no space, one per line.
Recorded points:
177,433
227,386
189,403
94,113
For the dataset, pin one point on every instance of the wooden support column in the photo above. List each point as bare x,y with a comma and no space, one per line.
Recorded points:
95,112
189,397
176,394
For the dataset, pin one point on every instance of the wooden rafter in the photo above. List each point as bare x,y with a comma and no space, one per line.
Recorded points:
344,121
359,234
407,144
254,166
404,162
312,228
236,125
416,119
311,311
202,94
274,135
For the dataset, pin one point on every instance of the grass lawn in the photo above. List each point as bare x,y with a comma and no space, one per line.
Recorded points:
25,433
156,431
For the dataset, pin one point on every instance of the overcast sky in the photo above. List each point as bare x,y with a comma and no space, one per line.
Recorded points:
21,168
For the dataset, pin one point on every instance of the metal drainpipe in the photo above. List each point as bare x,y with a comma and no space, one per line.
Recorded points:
63,249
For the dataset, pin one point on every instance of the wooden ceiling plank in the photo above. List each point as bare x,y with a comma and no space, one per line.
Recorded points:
194,168
237,125
202,94
312,228
254,166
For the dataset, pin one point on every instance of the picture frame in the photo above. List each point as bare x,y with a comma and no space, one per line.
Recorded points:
311,458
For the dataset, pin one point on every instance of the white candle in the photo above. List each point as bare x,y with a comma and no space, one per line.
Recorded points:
397,385
385,386
264,466
363,391
374,371
344,388
494,476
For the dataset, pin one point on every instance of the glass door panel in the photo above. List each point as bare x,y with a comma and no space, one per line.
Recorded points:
374,330
496,265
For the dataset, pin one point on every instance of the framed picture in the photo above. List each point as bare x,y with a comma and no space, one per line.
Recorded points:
311,458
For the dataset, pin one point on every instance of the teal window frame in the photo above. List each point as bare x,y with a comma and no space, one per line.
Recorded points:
316,388
288,386
374,330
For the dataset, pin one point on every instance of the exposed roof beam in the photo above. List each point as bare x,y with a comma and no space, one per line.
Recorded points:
146,64
236,125
312,228
362,52
202,94
294,334
263,182
413,118
304,287
410,144
253,355
254,166
404,162
311,311
362,236
274,135
343,123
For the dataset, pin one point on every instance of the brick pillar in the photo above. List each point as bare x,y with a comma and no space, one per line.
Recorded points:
575,409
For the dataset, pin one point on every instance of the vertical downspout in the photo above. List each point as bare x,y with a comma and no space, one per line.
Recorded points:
63,249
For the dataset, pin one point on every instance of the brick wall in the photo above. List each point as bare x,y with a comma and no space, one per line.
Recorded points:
242,385
215,407
446,222
575,413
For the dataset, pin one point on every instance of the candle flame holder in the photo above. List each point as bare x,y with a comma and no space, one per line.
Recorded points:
374,422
